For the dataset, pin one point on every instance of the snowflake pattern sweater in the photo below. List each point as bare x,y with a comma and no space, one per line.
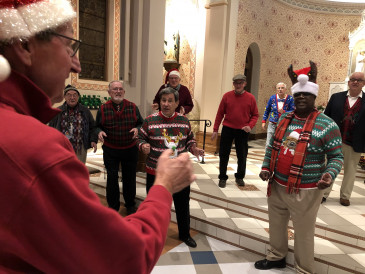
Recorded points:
152,132
271,110
325,140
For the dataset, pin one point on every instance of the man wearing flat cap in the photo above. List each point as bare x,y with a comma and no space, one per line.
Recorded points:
76,122
238,108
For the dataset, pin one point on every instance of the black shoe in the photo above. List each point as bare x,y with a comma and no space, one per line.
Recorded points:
266,264
131,210
189,242
240,182
222,183
324,199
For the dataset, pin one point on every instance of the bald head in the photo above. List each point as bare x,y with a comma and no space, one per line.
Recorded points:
356,83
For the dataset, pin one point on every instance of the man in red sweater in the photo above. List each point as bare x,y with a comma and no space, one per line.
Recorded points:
239,110
51,221
173,81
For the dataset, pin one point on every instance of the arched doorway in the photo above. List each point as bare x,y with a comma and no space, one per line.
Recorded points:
248,69
252,69
252,72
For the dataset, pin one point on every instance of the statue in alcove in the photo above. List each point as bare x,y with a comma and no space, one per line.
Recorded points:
360,60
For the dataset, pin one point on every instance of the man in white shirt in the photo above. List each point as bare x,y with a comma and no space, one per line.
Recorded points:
347,109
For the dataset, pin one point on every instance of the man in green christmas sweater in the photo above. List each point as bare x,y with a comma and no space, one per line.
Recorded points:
296,168
164,130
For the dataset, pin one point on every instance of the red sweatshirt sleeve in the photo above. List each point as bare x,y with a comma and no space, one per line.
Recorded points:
185,100
220,114
63,227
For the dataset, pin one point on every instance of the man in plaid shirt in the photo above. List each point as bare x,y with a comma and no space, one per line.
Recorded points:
117,124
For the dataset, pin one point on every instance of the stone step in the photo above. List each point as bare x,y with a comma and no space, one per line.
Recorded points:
256,240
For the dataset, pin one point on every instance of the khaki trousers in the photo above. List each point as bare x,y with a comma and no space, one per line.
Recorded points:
302,208
351,159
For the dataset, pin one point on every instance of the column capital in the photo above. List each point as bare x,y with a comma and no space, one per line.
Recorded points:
215,3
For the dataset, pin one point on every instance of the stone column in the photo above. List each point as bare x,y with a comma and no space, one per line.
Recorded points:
218,65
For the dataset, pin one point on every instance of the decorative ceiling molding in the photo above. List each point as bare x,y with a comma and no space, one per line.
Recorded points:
323,6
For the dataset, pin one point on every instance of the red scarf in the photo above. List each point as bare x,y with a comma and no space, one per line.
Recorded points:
296,169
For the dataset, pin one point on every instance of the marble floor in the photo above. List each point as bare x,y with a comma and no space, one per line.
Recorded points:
232,223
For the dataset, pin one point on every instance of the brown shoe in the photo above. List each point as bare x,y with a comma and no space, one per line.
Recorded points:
344,202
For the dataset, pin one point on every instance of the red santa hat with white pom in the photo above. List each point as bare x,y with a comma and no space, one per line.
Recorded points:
22,19
304,80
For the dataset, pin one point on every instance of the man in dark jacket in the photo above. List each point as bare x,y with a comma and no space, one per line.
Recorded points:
347,109
76,122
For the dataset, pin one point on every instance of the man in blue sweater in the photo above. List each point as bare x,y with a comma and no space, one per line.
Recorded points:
277,105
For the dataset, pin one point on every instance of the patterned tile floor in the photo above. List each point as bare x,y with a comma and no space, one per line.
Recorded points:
211,256
238,215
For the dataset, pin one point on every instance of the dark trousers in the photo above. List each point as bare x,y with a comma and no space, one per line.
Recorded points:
181,202
240,138
128,159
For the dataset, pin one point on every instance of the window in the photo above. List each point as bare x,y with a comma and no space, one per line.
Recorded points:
93,34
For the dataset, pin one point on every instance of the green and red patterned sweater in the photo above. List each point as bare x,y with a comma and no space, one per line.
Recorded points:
152,132
325,140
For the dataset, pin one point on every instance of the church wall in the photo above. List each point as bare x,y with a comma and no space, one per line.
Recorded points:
287,35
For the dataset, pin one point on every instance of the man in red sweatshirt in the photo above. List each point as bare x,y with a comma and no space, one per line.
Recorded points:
238,108
51,221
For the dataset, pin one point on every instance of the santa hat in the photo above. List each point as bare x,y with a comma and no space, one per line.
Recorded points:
304,85
295,134
171,73
21,19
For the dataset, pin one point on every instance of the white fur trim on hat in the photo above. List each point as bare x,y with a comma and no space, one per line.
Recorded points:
27,19
295,134
304,85
174,72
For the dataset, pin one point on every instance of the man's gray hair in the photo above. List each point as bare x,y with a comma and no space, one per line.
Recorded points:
169,90
281,83
114,81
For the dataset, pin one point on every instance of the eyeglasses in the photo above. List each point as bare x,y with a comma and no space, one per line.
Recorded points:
116,89
75,45
353,80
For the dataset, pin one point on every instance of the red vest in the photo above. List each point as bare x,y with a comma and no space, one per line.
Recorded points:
118,124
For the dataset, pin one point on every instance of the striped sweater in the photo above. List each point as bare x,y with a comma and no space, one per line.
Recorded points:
152,132
325,140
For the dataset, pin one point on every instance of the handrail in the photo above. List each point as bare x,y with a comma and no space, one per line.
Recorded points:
207,123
